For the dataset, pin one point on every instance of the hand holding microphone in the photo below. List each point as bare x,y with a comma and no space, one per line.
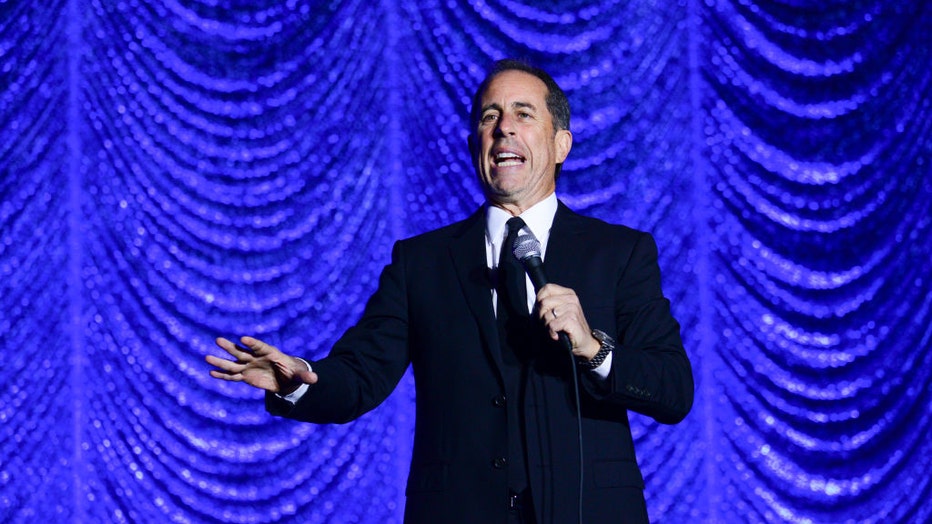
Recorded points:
558,307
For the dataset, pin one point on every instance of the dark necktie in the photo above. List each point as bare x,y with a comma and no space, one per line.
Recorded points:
514,332
512,289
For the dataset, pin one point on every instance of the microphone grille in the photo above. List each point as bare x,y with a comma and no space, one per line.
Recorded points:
526,246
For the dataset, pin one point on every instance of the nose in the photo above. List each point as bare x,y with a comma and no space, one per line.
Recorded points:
505,126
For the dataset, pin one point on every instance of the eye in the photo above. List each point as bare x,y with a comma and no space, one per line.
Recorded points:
489,117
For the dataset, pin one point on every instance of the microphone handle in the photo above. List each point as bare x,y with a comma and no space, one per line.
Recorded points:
535,269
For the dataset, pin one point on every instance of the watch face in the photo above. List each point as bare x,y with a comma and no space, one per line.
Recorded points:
603,338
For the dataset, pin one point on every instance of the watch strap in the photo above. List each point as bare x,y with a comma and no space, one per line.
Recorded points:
607,345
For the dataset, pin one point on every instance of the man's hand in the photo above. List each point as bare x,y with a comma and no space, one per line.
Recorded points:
559,309
260,365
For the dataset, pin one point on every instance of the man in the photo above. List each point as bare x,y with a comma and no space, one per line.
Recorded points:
496,435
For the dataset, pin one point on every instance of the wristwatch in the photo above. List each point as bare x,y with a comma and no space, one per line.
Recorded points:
607,345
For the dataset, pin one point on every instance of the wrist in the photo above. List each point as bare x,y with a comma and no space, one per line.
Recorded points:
589,349
289,388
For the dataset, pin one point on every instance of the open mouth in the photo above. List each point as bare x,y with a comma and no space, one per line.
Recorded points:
507,159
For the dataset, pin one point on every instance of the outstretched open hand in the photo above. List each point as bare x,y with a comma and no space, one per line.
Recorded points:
260,365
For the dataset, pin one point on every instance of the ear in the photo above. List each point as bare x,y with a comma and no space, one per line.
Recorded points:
563,142
473,149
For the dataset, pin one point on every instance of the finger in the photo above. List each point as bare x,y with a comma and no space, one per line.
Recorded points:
553,310
555,325
554,291
568,321
232,377
555,335
224,343
238,352
227,366
547,306
562,304
257,346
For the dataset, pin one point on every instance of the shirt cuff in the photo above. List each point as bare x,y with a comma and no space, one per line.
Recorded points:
604,368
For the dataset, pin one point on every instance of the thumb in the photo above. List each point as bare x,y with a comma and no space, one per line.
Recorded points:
308,377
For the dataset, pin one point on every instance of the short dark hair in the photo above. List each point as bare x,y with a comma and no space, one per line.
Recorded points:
557,103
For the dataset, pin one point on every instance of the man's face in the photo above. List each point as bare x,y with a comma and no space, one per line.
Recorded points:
514,147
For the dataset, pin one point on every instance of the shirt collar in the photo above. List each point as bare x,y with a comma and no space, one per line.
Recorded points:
539,218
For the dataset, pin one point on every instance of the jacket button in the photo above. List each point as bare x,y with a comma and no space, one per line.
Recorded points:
499,401
499,462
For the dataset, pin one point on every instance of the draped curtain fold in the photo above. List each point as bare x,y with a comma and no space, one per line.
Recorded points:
174,171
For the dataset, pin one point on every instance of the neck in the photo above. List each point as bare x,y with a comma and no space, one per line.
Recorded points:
516,208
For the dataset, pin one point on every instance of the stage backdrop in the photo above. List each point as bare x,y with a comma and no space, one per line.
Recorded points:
174,170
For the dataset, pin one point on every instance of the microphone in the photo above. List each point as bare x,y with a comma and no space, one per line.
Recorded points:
527,250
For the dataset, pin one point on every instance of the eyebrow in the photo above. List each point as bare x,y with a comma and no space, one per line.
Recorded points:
514,105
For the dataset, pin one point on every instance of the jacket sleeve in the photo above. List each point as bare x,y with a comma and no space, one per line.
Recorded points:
365,364
651,373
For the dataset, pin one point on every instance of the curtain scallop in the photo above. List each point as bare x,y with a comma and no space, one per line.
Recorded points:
173,171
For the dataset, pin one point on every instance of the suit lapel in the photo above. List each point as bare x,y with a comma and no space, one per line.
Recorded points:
562,248
467,250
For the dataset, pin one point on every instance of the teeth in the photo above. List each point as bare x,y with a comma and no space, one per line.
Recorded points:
508,159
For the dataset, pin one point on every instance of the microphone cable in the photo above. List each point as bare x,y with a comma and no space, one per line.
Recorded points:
579,432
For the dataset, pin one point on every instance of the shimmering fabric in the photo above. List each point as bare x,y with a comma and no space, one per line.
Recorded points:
172,171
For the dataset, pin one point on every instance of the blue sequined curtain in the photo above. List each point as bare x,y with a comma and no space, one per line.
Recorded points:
172,171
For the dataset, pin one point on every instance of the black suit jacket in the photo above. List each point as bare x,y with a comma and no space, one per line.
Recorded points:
433,310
